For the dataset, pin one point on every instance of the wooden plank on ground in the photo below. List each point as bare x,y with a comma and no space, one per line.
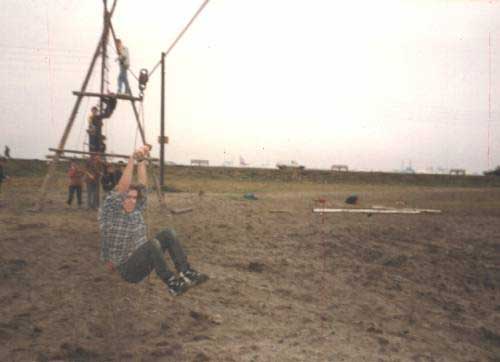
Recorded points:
180,211
379,211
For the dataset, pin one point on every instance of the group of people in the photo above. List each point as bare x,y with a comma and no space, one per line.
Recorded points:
97,116
93,174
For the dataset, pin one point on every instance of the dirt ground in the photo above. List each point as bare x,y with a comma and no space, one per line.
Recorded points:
287,286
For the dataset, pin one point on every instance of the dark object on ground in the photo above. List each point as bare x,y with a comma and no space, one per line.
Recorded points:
11,267
250,196
396,262
490,336
256,267
352,199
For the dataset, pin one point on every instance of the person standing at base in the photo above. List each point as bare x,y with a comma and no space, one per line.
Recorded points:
75,184
92,175
108,179
124,243
124,62
3,175
119,171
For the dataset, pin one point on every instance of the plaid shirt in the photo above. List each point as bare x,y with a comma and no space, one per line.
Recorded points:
121,233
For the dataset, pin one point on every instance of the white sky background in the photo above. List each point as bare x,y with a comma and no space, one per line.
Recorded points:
369,84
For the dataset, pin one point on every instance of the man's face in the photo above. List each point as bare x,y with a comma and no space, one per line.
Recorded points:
130,201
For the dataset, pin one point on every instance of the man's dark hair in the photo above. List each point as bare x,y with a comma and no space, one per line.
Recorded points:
138,188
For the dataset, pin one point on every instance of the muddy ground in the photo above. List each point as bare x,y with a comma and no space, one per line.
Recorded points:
287,286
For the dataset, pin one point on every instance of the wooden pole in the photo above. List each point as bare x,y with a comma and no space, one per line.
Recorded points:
162,121
104,46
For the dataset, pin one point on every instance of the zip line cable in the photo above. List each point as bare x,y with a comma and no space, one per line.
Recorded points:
180,35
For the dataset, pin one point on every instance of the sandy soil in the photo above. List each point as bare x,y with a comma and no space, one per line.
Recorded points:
289,286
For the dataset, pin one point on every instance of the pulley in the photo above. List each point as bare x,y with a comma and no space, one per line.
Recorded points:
143,79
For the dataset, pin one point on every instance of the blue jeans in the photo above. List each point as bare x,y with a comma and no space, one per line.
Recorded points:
92,198
71,191
122,80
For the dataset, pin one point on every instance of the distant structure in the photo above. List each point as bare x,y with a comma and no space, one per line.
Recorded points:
340,168
293,166
243,163
495,172
457,172
199,163
407,169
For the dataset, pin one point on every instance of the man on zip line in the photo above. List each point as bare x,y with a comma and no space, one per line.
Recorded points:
124,243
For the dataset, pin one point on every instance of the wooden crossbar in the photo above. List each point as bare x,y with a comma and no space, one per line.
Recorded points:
114,155
111,95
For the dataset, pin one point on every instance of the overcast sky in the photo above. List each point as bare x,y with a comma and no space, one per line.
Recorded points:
370,84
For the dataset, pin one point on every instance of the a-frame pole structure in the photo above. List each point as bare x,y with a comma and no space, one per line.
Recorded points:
69,125
100,50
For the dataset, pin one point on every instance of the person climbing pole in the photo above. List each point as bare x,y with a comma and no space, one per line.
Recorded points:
93,172
96,138
124,243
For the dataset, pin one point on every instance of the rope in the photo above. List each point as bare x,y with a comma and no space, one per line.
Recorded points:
180,35
131,72
142,116
51,115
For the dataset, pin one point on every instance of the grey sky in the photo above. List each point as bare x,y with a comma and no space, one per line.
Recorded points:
368,84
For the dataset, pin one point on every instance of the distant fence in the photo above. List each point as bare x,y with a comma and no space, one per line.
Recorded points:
340,168
290,167
457,171
199,163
